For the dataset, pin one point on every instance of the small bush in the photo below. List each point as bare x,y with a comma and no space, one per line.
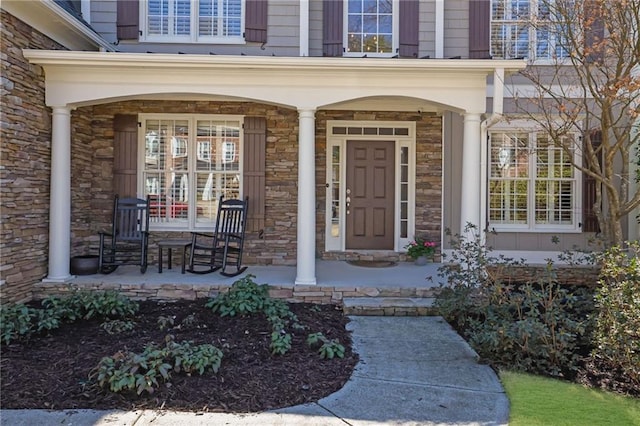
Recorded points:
244,297
20,321
532,327
15,321
329,348
617,327
541,327
142,372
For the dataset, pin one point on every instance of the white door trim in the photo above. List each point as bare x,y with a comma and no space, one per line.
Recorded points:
337,136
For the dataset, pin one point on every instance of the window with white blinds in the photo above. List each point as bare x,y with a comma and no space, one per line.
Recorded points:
192,21
188,163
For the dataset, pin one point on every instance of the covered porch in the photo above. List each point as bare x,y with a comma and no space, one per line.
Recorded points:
313,86
336,281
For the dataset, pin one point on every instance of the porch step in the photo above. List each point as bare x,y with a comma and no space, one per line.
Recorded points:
389,306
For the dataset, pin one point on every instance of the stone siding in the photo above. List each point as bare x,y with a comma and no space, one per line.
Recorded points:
25,134
428,177
290,293
575,275
92,175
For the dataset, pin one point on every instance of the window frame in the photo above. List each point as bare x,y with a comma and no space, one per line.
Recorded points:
193,155
532,131
532,26
194,37
395,32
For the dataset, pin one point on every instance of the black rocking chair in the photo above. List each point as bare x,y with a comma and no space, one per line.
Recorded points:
127,242
223,248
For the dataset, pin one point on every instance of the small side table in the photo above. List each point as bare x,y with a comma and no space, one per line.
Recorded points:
169,245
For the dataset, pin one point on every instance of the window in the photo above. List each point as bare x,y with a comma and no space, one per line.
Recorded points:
526,29
189,162
192,21
370,27
532,183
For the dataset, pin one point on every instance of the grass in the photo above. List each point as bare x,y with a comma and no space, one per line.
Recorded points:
541,401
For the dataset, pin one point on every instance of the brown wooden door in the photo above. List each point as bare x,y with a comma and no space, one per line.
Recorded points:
370,195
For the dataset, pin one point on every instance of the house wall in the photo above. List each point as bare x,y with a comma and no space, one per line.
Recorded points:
25,132
283,35
456,28
92,175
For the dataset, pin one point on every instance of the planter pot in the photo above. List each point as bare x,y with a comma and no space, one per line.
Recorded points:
84,265
421,260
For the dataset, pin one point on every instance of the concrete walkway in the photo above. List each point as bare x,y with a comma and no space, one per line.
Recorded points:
412,371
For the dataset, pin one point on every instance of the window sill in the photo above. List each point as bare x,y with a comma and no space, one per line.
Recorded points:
545,230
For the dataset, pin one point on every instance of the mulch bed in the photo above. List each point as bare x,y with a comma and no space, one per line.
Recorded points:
53,371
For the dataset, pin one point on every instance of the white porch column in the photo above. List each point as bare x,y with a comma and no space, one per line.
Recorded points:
60,204
471,173
306,266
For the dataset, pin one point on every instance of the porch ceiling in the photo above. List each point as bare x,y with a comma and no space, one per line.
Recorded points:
82,78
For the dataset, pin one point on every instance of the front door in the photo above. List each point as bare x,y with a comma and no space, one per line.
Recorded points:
370,195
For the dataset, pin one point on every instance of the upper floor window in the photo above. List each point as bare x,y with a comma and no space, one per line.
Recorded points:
370,27
192,21
533,184
526,29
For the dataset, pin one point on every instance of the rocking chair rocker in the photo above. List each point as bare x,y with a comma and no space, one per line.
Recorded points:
223,248
127,242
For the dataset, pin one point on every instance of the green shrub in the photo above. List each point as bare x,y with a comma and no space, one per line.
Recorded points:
117,326
15,322
244,297
540,327
328,348
532,327
617,327
18,321
142,372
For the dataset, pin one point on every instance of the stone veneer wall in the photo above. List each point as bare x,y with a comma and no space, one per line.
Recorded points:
290,293
25,134
92,175
428,176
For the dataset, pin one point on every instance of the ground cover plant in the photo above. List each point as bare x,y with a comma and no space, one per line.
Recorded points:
182,355
584,333
536,400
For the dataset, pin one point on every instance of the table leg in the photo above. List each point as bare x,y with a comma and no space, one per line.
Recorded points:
159,259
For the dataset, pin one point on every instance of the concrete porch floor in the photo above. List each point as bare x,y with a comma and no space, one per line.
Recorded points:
329,273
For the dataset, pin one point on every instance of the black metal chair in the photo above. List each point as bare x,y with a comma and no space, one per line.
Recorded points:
223,248
128,240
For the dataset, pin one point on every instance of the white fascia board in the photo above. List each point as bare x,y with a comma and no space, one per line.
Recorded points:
185,61
56,23
79,78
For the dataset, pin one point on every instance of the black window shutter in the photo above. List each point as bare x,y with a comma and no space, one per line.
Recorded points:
255,27
332,19
409,21
128,21
254,163
125,155
593,32
589,218
479,29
